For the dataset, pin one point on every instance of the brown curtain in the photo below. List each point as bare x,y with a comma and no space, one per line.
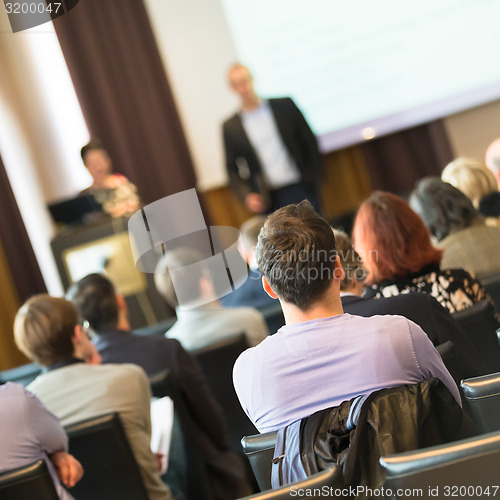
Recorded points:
395,162
19,256
125,97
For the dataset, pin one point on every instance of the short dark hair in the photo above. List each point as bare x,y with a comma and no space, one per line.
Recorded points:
44,329
91,146
95,299
442,207
296,248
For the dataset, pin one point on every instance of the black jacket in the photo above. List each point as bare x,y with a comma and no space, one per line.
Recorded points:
394,420
426,312
242,163
156,353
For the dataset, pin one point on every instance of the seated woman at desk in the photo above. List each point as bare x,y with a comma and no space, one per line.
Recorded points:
114,192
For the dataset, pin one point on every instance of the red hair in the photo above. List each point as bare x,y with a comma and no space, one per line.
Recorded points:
391,238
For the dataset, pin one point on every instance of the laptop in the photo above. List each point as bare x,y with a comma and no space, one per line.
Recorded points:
76,211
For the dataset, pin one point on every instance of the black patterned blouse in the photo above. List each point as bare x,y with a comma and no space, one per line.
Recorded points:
454,289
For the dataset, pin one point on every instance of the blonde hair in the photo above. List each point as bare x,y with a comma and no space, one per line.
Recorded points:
470,176
44,328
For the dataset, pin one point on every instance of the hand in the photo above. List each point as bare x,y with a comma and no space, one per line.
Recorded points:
93,357
159,460
255,203
69,470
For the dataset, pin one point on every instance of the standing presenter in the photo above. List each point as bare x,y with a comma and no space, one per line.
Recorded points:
272,155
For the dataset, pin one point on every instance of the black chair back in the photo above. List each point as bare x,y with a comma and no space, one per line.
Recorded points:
23,375
28,482
461,468
480,325
325,481
451,360
492,285
483,397
259,450
111,472
217,361
274,317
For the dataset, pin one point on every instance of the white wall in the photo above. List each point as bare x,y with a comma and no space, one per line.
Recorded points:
41,132
472,131
196,47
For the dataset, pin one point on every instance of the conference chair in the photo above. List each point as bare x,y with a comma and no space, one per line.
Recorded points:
480,325
483,397
450,359
327,480
111,471
466,468
197,476
32,481
217,361
273,315
492,285
23,375
259,450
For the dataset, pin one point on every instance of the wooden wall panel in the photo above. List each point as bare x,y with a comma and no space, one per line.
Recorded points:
346,184
10,356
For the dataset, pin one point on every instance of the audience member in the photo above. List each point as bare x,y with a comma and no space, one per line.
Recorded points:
322,356
492,159
106,312
199,326
478,183
461,232
397,252
29,432
47,330
421,308
115,193
251,292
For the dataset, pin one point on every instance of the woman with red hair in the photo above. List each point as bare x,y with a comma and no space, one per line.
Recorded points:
396,249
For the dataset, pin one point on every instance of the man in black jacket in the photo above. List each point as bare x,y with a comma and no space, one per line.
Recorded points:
272,155
106,312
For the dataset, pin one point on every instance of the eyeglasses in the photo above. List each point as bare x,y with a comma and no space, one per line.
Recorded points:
85,326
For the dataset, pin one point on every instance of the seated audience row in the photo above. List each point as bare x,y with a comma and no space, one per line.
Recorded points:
421,308
478,183
75,387
458,228
106,312
398,254
322,356
198,327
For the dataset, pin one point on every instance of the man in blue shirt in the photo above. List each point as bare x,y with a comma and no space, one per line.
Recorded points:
321,357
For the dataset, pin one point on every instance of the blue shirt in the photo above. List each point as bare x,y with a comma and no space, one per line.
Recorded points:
28,432
278,166
306,367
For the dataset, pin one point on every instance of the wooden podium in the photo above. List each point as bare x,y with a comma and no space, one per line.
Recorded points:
104,247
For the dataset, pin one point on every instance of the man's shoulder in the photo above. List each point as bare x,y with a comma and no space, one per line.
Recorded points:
241,314
230,121
381,323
